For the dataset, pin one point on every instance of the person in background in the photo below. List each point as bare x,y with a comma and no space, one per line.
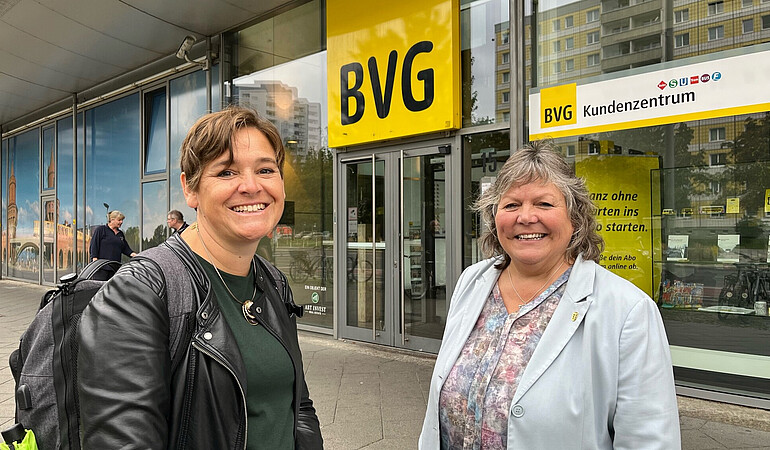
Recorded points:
240,383
543,347
175,221
109,242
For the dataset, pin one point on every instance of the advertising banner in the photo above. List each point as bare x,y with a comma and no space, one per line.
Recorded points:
394,71
718,88
623,213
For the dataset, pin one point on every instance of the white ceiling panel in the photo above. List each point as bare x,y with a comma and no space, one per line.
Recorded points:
50,49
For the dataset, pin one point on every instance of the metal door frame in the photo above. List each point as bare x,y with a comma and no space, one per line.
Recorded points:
393,295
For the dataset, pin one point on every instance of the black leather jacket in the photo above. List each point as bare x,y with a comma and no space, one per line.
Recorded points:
132,397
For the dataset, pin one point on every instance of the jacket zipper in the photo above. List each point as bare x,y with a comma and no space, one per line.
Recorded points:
237,381
188,399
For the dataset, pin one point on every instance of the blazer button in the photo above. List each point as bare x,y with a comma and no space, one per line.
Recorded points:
207,335
517,411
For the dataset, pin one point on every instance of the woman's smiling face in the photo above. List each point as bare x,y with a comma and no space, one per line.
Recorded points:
533,225
242,201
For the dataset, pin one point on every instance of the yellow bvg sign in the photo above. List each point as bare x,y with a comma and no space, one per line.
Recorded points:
557,106
392,72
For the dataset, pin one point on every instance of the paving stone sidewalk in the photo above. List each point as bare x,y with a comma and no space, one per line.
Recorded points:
370,397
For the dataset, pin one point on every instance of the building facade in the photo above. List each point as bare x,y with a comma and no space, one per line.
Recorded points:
395,118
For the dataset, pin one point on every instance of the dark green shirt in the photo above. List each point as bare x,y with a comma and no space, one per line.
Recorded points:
270,372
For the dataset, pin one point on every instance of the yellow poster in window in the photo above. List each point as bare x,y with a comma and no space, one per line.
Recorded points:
767,200
621,188
733,205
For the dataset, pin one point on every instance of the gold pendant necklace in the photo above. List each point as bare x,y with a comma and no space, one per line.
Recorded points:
537,291
247,305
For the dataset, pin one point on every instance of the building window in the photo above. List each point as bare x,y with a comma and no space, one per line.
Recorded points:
716,187
592,16
506,37
556,46
569,22
682,40
592,60
747,3
506,116
506,57
570,65
155,131
592,37
765,22
748,26
717,134
569,43
570,150
506,77
717,32
716,8
593,148
556,25
506,97
557,67
683,15
718,159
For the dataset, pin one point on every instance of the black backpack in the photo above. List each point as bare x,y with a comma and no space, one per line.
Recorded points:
45,364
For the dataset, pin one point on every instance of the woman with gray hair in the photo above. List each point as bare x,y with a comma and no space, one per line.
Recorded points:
543,347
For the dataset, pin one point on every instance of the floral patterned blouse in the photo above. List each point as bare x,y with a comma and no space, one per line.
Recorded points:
476,397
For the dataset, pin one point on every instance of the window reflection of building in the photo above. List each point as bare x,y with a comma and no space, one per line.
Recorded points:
297,119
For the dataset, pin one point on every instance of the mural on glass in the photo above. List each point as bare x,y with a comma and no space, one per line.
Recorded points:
65,224
112,147
23,208
50,210
4,214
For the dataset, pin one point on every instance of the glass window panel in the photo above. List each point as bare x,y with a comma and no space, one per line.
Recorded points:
707,166
155,129
716,33
154,201
65,226
483,156
482,54
748,26
4,214
83,234
289,89
112,148
188,103
49,162
24,205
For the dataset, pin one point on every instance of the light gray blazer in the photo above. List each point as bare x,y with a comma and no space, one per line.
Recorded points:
600,378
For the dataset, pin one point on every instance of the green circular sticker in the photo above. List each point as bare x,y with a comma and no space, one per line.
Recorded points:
314,297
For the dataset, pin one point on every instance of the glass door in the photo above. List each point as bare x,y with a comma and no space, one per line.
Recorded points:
365,313
423,281
393,290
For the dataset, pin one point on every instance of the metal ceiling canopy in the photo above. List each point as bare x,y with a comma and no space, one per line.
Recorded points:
52,49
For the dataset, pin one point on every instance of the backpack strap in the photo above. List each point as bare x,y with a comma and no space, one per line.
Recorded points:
180,298
94,266
279,281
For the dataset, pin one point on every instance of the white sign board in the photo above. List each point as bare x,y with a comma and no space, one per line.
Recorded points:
723,87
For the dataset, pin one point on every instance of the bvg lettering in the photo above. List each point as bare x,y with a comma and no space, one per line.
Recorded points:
383,95
558,113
